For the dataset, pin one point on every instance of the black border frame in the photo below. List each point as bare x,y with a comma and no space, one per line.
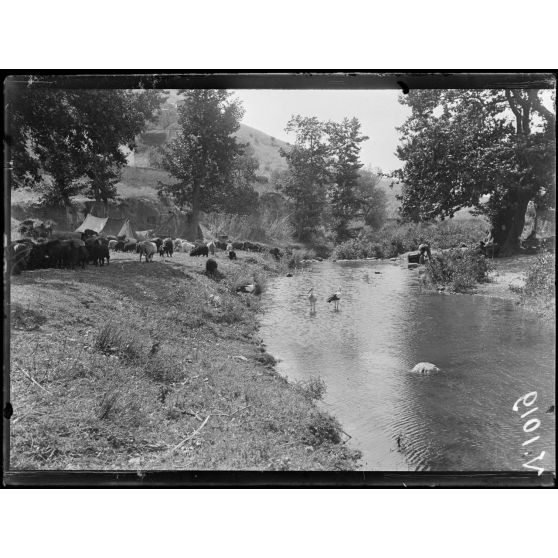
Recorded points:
253,79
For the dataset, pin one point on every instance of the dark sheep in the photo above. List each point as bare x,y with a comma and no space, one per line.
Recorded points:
201,250
119,246
69,254
221,245
276,253
130,247
167,248
238,245
210,266
158,242
232,255
51,253
98,253
88,233
20,253
83,256
253,247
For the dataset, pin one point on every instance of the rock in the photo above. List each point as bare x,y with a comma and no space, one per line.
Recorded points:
289,274
425,368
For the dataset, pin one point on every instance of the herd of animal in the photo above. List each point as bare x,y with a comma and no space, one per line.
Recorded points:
95,249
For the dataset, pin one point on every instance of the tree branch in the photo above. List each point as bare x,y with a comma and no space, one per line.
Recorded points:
540,108
514,109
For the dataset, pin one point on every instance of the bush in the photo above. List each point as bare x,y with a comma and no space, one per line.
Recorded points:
461,270
322,250
313,388
540,279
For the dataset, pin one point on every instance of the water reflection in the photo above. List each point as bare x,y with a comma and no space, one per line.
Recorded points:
461,419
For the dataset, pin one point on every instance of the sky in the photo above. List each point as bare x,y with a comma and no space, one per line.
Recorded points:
378,111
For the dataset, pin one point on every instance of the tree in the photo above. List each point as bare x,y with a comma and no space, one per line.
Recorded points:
307,176
372,200
462,147
71,135
344,141
203,157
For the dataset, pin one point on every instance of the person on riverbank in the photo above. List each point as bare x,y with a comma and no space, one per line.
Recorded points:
424,250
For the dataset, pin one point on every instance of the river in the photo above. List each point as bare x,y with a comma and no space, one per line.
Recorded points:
461,419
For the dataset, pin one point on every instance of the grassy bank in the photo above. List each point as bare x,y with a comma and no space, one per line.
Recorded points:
156,366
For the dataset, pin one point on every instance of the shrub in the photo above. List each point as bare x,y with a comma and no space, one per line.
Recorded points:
322,250
312,388
322,429
540,279
461,270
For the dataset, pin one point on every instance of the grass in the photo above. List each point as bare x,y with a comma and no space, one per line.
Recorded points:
156,366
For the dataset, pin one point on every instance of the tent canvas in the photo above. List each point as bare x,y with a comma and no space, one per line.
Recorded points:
126,230
107,226
93,223
114,226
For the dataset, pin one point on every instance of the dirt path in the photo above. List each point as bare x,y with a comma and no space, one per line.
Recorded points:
508,271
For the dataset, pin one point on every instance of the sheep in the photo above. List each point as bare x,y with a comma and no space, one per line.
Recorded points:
210,267
200,251
147,249
211,247
187,246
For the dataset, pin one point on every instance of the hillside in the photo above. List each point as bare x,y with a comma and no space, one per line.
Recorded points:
165,129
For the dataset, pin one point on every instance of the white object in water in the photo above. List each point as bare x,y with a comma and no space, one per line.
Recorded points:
425,368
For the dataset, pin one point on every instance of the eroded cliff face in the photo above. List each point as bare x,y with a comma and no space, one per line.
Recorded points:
143,214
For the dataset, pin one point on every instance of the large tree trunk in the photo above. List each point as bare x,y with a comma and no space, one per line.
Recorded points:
195,220
508,225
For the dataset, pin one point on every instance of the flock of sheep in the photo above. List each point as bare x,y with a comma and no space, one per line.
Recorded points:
29,253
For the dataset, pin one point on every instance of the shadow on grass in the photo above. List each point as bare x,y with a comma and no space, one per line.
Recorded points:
127,277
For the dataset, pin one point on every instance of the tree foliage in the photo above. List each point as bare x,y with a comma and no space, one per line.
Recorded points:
305,182
211,166
323,174
371,199
61,140
489,149
344,141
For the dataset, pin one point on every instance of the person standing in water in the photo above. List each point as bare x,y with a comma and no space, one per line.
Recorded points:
424,250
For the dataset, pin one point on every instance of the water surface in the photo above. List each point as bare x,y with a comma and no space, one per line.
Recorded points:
491,353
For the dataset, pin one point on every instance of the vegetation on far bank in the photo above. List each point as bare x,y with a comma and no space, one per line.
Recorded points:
393,239
539,289
157,366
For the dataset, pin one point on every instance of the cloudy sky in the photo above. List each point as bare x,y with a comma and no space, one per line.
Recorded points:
378,111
